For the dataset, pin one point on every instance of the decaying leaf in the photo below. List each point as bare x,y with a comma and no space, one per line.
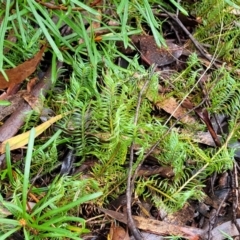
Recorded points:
18,74
182,217
225,229
205,138
118,233
152,54
22,139
169,105
34,102
151,236
172,107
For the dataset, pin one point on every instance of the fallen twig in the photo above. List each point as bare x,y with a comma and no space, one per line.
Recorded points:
158,227
130,183
195,42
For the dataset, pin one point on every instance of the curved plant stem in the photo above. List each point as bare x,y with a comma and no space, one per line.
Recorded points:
130,181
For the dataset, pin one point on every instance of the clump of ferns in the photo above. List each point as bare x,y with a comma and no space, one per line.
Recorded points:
219,24
169,194
103,124
187,78
173,153
211,160
191,166
116,131
224,93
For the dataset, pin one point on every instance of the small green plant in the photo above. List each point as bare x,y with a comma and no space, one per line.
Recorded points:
102,97
226,236
51,217
219,30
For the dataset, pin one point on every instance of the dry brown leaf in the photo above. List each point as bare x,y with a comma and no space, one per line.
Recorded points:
172,107
152,54
205,138
169,105
31,84
34,102
118,233
18,74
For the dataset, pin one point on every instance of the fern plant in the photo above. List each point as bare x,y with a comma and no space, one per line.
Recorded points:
103,98
219,28
188,181
102,126
224,93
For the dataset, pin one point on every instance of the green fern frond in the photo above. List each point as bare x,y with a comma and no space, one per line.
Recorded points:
224,94
219,28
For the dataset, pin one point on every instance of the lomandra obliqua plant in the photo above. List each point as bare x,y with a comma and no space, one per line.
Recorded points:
52,216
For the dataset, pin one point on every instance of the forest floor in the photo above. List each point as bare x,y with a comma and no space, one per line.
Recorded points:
119,119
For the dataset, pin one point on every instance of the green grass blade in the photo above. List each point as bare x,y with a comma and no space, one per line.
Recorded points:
3,29
38,209
9,164
179,7
9,221
64,219
146,13
45,31
70,205
26,234
20,24
54,230
87,8
27,170
153,24
5,103
48,143
11,206
9,233
124,25
34,38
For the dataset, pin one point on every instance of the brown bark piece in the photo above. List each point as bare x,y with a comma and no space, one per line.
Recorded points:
15,103
13,123
158,227
22,71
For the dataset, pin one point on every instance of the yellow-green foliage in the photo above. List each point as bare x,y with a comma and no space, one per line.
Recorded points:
219,28
103,127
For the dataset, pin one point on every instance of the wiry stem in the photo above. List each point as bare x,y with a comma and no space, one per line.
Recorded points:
130,181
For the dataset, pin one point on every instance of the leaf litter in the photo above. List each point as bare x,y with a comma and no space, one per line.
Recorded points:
166,59
21,72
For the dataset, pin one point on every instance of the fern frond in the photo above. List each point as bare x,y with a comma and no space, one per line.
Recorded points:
224,94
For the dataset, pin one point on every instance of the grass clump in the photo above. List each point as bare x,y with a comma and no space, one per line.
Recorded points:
53,215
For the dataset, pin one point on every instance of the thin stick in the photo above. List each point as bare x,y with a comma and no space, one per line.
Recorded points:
195,42
157,143
130,184
235,193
